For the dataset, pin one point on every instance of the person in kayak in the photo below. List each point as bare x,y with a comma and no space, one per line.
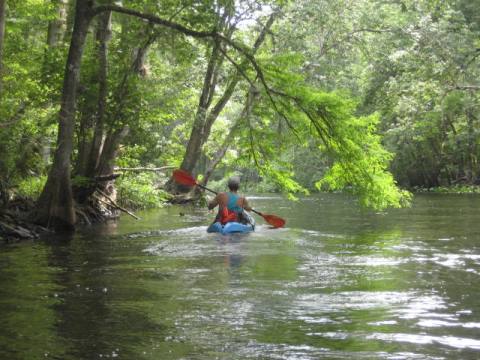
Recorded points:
231,206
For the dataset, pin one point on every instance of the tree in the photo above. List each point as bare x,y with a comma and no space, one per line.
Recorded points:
273,76
55,205
3,5
205,117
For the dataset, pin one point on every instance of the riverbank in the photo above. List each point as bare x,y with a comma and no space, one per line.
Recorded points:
15,223
454,189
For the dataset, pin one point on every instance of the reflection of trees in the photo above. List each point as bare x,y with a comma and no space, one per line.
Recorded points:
95,316
277,262
27,294
82,312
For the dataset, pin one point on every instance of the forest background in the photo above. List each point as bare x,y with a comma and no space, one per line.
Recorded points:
367,96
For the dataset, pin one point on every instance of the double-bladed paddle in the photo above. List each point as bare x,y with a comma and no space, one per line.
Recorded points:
184,178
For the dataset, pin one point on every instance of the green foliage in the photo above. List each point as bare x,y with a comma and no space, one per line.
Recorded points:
356,89
26,113
390,56
140,191
359,162
31,187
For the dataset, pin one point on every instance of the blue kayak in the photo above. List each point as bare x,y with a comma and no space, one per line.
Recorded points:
233,227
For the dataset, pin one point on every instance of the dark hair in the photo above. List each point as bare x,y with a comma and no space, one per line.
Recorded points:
233,187
234,183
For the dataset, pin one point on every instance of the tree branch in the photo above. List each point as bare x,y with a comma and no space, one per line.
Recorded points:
140,169
214,35
465,87
155,20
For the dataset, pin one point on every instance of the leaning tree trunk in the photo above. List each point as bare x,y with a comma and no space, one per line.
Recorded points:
110,151
220,154
192,153
205,119
3,5
103,36
55,207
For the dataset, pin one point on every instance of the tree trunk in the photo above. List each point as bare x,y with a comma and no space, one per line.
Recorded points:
219,155
55,207
104,171
3,5
104,147
103,36
247,110
55,35
57,27
110,150
471,147
204,120
83,143
220,105
195,140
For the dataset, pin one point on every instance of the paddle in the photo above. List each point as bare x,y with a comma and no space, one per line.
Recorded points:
184,178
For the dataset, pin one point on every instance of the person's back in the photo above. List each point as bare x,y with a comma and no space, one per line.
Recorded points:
230,204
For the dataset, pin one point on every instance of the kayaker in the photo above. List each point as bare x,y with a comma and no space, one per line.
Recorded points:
230,204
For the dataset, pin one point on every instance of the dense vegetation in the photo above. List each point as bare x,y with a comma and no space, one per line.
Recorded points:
296,96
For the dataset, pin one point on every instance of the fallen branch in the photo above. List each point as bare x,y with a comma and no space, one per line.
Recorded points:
114,204
140,169
465,87
103,178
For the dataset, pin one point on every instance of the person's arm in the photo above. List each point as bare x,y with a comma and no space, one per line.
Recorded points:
244,204
213,202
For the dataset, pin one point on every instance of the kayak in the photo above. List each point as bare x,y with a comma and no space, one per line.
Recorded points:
229,228
232,227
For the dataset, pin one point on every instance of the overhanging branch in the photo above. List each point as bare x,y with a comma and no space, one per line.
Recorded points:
215,36
155,20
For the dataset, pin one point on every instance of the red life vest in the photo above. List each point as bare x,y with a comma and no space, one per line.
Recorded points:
227,216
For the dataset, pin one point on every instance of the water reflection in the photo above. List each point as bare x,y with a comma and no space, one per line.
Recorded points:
27,297
337,283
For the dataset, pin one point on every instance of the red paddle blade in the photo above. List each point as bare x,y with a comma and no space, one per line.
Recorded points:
274,220
183,177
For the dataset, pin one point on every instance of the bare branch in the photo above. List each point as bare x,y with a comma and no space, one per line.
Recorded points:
141,169
238,67
466,87
155,20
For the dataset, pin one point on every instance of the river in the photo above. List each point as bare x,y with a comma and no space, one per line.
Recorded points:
338,282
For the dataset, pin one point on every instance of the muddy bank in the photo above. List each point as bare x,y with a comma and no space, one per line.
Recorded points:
16,222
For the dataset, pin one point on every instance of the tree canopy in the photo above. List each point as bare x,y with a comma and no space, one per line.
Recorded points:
361,96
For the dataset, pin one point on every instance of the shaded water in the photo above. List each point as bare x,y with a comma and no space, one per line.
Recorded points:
337,283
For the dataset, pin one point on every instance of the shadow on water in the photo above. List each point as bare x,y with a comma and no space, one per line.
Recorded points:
338,283
95,316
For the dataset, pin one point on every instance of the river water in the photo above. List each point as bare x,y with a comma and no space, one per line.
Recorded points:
338,282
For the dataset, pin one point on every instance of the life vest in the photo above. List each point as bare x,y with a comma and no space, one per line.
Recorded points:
230,212
227,215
